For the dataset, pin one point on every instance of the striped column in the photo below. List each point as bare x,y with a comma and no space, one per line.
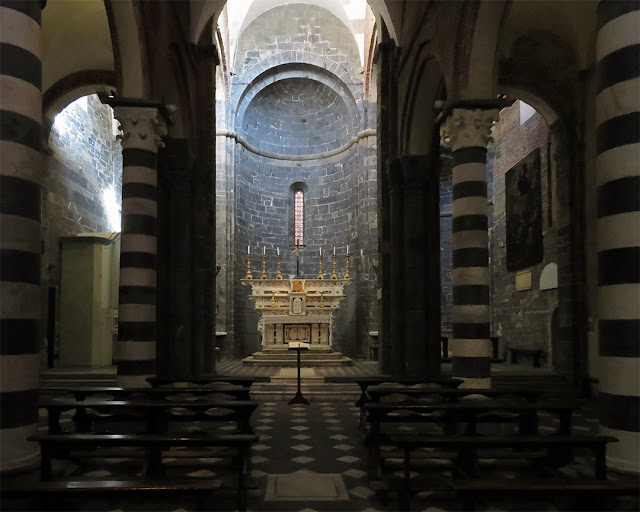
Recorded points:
143,128
618,207
468,133
20,177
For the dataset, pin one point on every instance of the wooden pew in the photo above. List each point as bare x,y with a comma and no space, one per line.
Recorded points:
234,392
57,445
454,415
48,495
156,381
468,446
155,413
378,393
591,492
375,380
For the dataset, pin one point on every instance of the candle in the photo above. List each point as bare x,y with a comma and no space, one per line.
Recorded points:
347,249
334,250
264,250
361,252
248,249
321,252
278,249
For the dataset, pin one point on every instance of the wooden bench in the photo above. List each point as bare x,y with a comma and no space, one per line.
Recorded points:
453,416
464,449
535,353
156,381
379,393
118,393
60,445
592,491
156,414
47,494
374,380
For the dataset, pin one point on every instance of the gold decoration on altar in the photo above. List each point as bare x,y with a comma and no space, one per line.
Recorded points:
248,276
297,302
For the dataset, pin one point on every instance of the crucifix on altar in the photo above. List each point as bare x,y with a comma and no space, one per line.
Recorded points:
297,247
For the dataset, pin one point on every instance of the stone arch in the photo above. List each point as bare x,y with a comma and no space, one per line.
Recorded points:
123,16
418,113
70,88
243,97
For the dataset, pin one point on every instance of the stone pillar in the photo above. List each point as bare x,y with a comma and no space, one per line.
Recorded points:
143,128
386,62
467,131
20,178
395,262
203,213
175,279
618,176
421,266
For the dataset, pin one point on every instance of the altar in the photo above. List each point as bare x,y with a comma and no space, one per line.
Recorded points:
296,310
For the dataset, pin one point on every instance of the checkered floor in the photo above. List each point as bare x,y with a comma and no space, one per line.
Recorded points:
321,438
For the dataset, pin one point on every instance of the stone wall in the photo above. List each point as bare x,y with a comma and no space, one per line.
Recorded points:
83,161
521,318
297,115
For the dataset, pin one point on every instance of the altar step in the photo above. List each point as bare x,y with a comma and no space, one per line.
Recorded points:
284,384
282,358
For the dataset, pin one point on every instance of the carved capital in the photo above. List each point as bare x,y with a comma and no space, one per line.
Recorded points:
468,128
143,128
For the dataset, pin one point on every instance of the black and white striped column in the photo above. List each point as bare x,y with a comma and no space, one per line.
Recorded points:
468,133
20,178
618,209
143,128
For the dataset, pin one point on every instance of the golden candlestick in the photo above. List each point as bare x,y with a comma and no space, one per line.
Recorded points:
264,266
273,300
278,273
333,274
346,274
248,276
320,276
321,299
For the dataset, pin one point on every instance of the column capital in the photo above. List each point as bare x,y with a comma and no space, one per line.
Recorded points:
468,127
143,127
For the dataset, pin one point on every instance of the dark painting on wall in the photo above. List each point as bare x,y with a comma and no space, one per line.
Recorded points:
524,213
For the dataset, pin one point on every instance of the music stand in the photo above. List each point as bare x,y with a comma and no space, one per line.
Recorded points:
298,399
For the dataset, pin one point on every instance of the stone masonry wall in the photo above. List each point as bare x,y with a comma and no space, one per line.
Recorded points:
297,94
521,318
83,161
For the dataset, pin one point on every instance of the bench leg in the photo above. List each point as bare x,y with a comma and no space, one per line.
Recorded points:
600,462
405,492
45,464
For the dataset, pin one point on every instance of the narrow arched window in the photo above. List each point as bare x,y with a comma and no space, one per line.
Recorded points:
298,211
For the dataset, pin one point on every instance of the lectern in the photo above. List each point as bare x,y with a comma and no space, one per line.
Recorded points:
298,345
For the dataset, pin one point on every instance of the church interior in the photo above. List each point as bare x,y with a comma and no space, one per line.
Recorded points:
320,255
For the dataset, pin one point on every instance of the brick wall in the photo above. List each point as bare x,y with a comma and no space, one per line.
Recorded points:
521,318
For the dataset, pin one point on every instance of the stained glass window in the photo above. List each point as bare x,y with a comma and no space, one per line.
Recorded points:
299,217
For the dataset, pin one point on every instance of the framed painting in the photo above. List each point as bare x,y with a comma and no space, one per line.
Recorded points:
524,213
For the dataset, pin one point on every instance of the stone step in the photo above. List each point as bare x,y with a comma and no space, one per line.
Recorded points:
310,390
292,363
294,357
